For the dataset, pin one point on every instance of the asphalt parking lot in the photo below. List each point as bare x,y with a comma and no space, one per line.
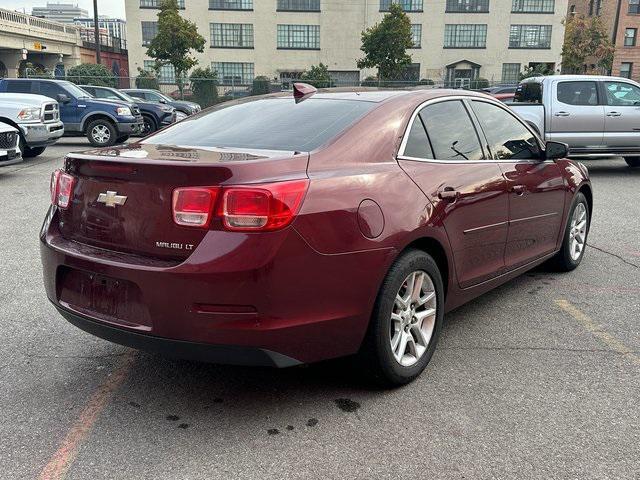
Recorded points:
537,379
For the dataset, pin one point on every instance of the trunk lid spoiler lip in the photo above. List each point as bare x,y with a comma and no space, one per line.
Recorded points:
172,155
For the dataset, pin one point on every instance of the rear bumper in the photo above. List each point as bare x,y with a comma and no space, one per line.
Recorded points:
270,293
201,352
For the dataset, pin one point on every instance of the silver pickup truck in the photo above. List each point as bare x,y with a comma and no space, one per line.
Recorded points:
597,116
36,117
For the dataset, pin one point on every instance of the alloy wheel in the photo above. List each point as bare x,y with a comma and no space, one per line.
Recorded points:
101,134
413,318
578,231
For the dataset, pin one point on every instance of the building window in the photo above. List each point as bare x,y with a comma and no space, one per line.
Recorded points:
156,3
530,36
510,73
465,36
166,74
416,34
625,69
467,6
304,37
533,6
234,73
230,4
634,6
299,5
149,32
630,37
572,10
407,5
598,7
231,35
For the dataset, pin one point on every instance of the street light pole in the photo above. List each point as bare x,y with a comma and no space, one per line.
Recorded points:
96,31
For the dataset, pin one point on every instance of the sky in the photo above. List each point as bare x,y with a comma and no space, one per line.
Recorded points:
112,8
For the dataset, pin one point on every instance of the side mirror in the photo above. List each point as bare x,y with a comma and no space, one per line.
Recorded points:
62,98
555,150
162,100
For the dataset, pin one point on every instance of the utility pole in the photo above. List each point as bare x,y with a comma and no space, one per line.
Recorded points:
96,31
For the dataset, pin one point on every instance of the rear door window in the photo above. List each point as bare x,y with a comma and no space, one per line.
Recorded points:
418,143
266,124
451,131
578,93
507,137
18,86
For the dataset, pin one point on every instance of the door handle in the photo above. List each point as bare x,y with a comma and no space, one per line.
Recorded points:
614,114
519,189
562,114
449,194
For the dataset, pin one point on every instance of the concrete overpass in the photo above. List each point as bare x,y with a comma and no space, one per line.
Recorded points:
20,32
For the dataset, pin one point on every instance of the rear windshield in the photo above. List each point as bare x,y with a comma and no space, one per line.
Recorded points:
267,124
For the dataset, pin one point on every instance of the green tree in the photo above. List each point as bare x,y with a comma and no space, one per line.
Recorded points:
175,40
204,85
147,79
385,44
318,76
538,70
92,74
586,41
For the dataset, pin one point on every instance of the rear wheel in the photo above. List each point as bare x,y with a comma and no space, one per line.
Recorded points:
633,162
406,321
101,133
575,236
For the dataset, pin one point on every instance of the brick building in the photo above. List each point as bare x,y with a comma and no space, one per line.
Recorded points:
622,19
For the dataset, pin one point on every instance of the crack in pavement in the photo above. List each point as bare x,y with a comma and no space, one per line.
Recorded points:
613,255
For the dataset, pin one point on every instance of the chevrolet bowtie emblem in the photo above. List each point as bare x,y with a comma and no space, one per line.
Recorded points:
111,199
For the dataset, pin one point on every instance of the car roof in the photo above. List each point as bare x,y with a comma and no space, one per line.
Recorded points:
573,77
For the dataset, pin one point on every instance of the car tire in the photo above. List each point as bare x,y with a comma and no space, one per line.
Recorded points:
33,152
101,133
390,366
149,126
566,259
633,162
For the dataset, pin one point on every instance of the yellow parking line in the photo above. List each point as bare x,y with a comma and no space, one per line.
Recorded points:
597,331
62,459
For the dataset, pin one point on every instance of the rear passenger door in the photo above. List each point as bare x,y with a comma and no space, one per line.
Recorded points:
577,114
443,154
622,115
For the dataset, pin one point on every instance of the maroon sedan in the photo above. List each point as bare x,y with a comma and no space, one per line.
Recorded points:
274,231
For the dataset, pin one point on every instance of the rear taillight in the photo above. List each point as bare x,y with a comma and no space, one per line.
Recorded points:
264,207
193,207
61,187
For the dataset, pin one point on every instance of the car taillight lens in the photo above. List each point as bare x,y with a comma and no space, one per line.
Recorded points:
262,207
193,207
61,188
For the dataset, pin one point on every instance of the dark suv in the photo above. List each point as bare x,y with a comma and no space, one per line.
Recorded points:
183,107
156,115
104,122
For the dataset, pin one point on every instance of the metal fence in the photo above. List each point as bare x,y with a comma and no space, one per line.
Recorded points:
208,91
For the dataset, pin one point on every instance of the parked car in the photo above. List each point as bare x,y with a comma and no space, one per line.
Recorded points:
9,145
155,115
277,232
500,89
37,119
183,107
596,116
103,122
